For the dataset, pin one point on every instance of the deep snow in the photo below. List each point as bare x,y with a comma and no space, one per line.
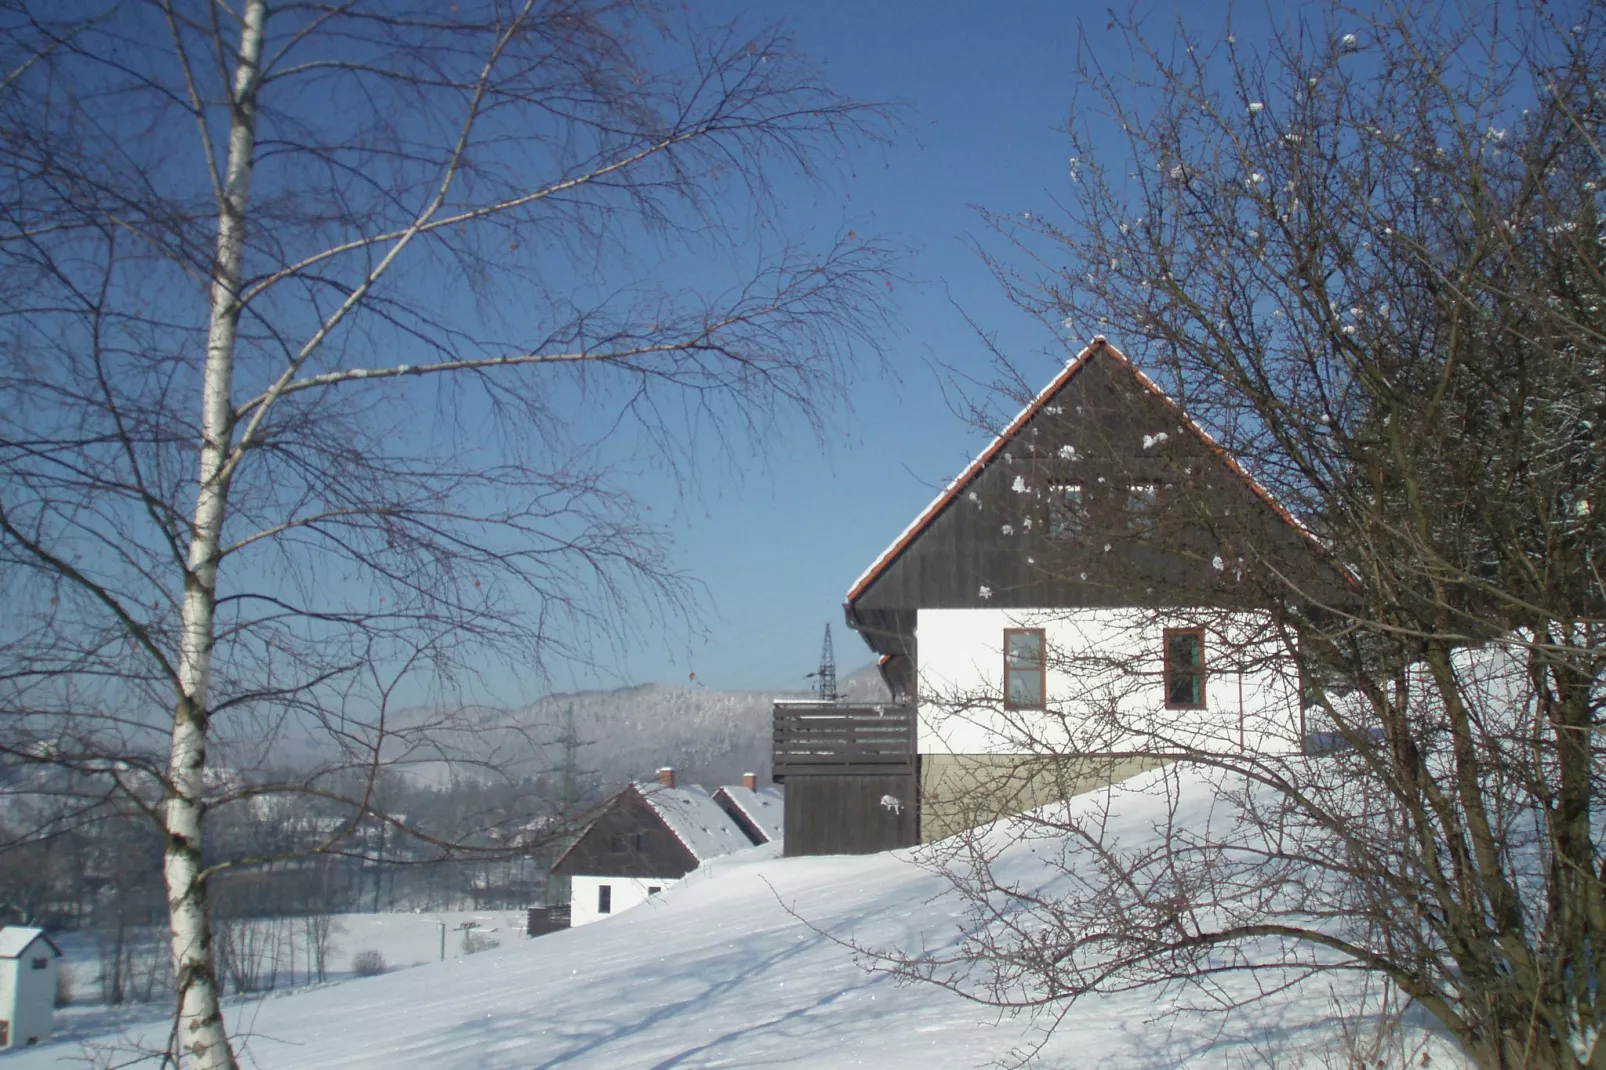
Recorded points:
716,972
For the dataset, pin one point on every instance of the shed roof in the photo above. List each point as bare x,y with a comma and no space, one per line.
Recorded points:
765,808
16,939
695,819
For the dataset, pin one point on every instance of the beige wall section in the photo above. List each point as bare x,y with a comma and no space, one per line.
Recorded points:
961,791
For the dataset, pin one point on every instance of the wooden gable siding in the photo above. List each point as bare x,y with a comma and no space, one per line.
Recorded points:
989,544
627,814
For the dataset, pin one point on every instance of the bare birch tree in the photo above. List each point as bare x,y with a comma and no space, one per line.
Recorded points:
325,326
1367,253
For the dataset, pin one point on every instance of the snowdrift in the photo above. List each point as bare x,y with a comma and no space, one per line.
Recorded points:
721,971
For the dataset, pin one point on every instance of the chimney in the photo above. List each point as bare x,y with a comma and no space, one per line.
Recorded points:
750,781
666,776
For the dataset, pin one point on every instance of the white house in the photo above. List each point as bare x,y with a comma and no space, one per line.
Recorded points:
649,836
1103,583
29,961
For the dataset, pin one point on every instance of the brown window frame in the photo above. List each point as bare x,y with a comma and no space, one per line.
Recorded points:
1202,670
1041,670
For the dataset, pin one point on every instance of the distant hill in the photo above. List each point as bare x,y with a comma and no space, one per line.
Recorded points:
709,737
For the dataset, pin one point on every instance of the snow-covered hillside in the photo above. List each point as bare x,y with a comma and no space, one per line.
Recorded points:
717,972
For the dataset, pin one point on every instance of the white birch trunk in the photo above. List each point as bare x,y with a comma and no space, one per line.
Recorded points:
201,1039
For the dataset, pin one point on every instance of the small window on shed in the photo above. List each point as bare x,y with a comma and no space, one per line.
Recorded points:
40,963
604,899
1184,668
654,889
1023,668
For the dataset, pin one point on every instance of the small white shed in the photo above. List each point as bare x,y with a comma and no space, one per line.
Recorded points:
28,965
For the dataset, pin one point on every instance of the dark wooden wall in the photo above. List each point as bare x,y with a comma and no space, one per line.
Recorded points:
593,854
1092,432
842,814
543,920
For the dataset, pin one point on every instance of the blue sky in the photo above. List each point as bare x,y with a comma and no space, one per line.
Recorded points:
986,91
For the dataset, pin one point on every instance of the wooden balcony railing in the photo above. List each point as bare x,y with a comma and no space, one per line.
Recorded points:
826,737
543,920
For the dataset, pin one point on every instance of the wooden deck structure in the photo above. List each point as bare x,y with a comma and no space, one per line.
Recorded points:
543,920
851,776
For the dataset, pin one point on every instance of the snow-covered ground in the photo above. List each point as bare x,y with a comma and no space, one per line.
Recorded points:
717,972
403,939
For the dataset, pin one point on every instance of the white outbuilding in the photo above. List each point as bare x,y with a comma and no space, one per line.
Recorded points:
28,963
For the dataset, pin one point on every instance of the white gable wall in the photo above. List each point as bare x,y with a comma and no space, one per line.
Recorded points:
1105,683
627,892
28,995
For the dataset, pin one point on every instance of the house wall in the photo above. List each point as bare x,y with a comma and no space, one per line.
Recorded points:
963,791
663,855
8,988
1105,683
28,996
848,813
627,892
990,543
1105,688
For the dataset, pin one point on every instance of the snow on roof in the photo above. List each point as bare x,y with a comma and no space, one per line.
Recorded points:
765,808
951,491
696,819
15,940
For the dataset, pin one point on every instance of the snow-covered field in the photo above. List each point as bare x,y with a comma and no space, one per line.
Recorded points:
717,972
402,939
